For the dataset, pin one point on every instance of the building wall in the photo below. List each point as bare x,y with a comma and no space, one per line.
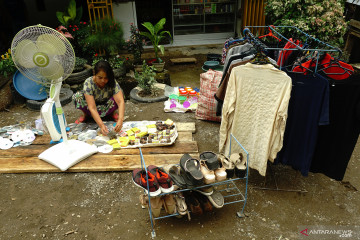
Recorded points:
125,13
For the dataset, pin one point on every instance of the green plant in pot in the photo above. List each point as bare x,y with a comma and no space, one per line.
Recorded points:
155,35
146,80
7,68
107,35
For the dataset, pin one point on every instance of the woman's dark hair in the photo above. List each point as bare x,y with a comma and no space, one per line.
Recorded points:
105,66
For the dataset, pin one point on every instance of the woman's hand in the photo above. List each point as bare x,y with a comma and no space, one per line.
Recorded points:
118,126
104,130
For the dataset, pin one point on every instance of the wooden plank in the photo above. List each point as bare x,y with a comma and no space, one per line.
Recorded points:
186,127
95,163
35,150
185,137
183,60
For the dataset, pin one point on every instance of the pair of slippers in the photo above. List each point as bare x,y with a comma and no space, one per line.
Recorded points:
180,178
234,165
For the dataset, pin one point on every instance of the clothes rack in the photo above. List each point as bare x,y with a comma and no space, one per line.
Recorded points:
323,57
307,39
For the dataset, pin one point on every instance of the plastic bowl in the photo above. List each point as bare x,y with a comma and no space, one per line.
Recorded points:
28,88
211,63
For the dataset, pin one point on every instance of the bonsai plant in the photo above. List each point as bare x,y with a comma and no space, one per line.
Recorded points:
107,35
155,36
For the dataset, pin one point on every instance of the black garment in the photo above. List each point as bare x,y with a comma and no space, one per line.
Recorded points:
337,141
219,102
308,108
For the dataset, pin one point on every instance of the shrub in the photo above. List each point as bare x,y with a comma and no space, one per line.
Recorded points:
146,78
7,66
135,44
107,35
321,19
116,62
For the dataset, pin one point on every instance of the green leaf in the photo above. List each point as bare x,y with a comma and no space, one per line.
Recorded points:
148,35
60,17
162,50
160,25
166,32
72,9
79,13
66,19
149,27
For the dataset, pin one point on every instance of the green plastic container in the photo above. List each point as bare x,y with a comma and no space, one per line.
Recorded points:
182,99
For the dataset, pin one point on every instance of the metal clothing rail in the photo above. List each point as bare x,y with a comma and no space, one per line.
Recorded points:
306,47
231,190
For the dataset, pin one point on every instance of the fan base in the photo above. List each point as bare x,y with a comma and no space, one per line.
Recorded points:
66,154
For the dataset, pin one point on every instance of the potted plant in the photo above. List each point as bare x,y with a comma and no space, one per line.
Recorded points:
156,36
148,89
135,44
146,79
107,35
7,68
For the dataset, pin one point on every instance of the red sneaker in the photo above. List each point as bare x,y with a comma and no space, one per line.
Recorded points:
139,178
162,177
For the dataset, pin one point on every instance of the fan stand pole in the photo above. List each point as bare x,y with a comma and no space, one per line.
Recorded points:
59,111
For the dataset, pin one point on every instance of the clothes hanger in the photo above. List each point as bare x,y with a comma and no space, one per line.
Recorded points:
270,34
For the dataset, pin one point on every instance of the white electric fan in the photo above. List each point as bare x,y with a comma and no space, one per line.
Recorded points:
45,56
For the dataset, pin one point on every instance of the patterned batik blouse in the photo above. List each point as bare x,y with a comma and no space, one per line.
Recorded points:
100,95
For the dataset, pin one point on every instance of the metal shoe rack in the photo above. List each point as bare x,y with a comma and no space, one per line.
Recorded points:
231,192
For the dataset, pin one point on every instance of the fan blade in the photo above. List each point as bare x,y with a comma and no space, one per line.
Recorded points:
24,53
53,71
50,44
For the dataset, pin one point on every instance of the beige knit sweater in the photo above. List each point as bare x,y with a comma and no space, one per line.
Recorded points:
255,112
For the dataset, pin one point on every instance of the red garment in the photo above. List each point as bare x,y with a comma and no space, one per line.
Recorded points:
284,54
337,70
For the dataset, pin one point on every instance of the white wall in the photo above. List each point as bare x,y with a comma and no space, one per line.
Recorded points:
126,14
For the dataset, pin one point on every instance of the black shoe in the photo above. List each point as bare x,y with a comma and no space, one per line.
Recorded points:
210,159
191,167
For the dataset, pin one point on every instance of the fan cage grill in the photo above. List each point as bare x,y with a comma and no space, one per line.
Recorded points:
65,60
